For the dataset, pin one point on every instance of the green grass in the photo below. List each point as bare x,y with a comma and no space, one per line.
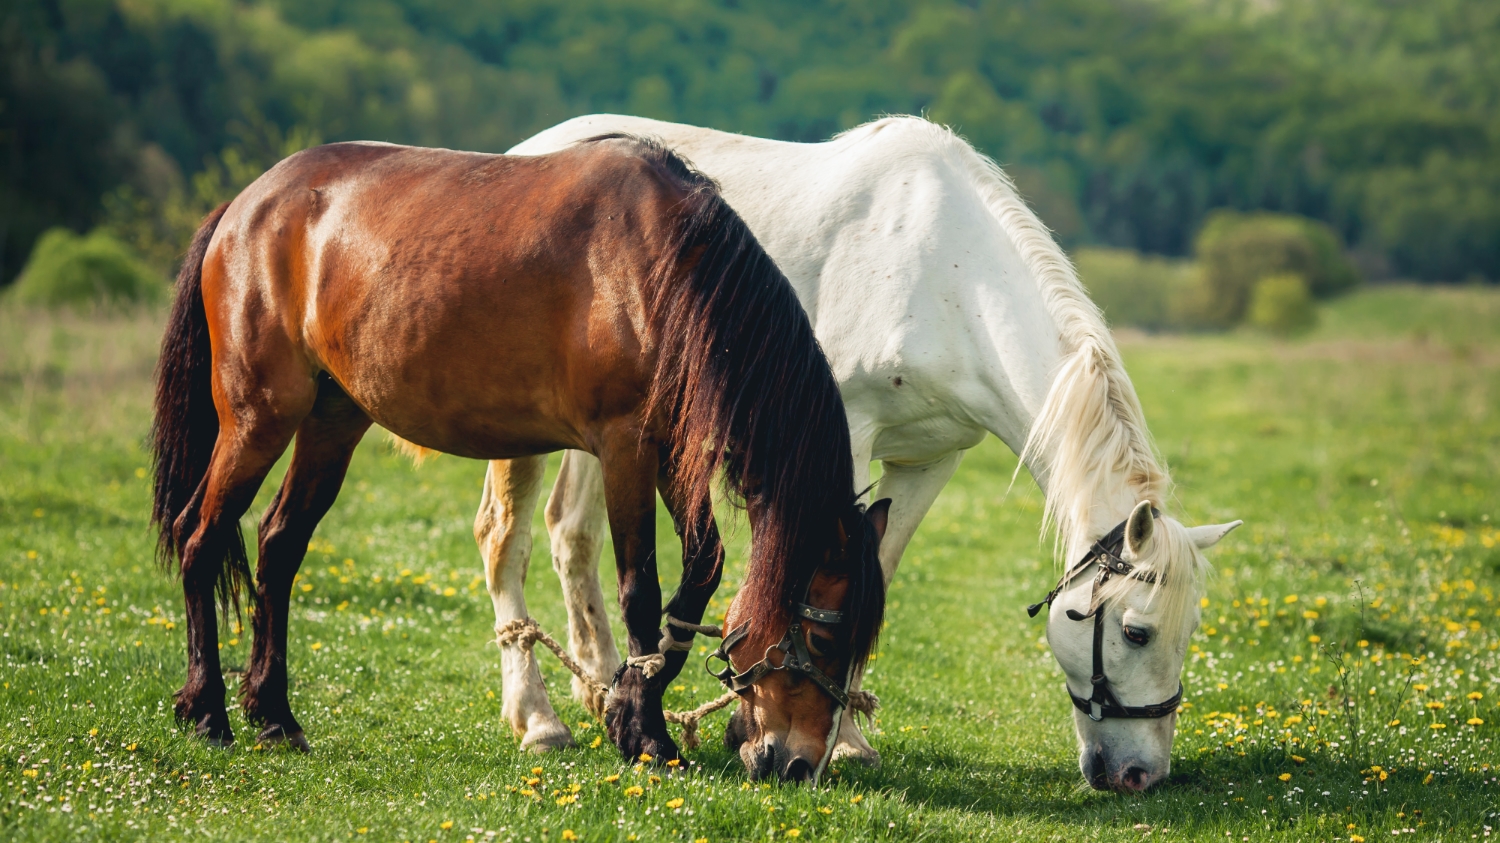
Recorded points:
1362,458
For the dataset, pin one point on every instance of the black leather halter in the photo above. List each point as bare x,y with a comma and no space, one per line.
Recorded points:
1106,554
794,657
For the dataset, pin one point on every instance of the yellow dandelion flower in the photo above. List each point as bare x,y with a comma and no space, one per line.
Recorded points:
1394,723
1310,615
856,799
568,834
674,803
446,824
634,790
1474,721
1427,780
1475,696
533,781
1297,759
611,779
1314,639
30,774
793,832
1290,599
130,748
1419,687
1286,777
654,779
674,762
1355,838
1435,705
362,830
825,810
594,744
537,771
317,645
1438,726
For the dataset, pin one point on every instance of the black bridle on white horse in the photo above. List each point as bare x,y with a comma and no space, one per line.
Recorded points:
1106,554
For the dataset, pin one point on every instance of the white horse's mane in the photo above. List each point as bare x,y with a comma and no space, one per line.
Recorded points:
1090,435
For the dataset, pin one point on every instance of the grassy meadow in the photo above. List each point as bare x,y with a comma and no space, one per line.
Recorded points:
1344,684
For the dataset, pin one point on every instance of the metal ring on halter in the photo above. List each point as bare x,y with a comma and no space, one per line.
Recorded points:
1103,703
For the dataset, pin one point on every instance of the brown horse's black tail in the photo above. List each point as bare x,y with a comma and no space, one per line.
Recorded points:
186,424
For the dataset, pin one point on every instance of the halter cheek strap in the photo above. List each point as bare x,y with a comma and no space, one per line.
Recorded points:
1103,703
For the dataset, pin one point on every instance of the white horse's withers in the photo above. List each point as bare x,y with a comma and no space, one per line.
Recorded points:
947,311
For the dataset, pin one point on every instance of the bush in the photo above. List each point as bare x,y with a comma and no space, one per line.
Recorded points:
68,270
1282,305
1237,250
1140,290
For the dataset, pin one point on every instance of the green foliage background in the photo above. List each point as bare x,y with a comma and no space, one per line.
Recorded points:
1124,121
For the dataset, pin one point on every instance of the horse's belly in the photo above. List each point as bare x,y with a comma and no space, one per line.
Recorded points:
924,440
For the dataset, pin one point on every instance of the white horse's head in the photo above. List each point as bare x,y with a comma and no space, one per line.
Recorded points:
1145,618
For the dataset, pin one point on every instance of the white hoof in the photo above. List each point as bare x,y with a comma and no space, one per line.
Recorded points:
542,739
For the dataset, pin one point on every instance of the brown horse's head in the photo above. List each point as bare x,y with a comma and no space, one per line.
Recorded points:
787,722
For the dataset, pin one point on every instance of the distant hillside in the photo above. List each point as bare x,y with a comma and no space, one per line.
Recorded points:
1124,121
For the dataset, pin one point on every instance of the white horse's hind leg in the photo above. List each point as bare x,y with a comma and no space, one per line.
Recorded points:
912,489
503,530
576,521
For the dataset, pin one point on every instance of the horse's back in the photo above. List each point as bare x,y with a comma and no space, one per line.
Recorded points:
476,282
918,293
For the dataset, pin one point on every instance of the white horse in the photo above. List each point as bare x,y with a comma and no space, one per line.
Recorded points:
947,311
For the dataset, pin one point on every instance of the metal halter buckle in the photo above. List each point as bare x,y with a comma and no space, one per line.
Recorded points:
794,657
1103,703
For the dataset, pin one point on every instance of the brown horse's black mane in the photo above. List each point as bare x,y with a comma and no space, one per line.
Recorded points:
747,390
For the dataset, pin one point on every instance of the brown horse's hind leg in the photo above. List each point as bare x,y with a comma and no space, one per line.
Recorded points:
243,453
326,440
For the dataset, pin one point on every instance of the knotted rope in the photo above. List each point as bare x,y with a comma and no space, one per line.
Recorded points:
524,633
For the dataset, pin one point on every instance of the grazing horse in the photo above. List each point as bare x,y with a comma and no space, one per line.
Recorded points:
947,311
603,299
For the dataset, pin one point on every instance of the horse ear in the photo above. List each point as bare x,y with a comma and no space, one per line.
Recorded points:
1208,535
1139,528
878,514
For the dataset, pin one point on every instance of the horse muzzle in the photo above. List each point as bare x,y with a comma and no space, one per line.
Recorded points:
1126,775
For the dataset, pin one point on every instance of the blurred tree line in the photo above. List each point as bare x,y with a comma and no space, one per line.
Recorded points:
1125,122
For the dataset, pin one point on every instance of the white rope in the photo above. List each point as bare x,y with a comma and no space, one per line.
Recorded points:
649,664
524,633
700,628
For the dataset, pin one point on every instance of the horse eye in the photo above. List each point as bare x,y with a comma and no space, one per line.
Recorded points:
821,646
1138,636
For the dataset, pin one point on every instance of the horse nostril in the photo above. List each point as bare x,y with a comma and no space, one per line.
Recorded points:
1136,778
1096,771
798,771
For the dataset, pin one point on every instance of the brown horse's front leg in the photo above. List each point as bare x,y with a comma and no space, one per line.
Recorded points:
702,568
634,710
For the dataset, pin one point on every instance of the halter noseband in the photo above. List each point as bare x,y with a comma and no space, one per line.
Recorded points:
794,657
1106,554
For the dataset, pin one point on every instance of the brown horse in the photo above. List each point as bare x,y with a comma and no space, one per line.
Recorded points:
603,298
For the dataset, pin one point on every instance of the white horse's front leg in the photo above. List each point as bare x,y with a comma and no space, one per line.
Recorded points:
912,490
576,521
503,530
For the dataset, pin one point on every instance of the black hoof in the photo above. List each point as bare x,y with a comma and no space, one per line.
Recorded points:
275,735
635,721
214,729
